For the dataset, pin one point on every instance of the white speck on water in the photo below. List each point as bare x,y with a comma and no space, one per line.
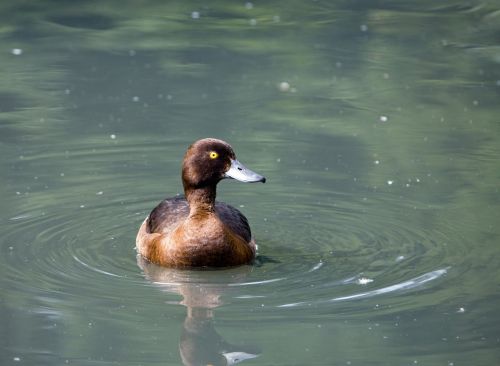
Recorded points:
67,92
82,206
364,281
338,64
363,27
400,258
461,310
390,182
385,76
284,86
16,51
195,15
383,119
169,97
277,19
100,193
112,136
253,22
376,162
131,53
11,248
135,99
498,82
475,102
16,359
61,174
242,206
278,160
249,5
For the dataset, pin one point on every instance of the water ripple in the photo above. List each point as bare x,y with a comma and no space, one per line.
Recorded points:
406,285
313,252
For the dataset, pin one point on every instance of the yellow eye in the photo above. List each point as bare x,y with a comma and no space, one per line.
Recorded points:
213,155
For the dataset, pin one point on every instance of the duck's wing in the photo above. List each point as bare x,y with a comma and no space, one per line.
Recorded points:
234,219
168,214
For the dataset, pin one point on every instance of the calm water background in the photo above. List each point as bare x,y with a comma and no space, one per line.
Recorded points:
377,124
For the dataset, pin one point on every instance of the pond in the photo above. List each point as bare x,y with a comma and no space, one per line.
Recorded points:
376,124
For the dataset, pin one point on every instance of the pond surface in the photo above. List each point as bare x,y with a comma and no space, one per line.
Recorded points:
376,123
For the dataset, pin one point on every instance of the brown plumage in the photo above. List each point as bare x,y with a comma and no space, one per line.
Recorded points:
197,231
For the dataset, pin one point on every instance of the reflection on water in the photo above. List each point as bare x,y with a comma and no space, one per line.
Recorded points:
376,123
200,343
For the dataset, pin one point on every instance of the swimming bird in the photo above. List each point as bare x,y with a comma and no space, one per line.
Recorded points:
196,230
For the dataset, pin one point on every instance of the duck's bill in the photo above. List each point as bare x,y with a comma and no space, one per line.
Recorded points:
239,172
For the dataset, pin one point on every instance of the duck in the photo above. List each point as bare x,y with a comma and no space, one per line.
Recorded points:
195,230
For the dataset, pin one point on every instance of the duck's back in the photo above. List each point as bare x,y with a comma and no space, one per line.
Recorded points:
172,211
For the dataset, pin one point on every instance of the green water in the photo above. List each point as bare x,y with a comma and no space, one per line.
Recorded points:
376,123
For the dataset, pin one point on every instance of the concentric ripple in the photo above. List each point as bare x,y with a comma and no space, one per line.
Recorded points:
327,255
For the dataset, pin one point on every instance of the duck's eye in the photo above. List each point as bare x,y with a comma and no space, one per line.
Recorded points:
213,155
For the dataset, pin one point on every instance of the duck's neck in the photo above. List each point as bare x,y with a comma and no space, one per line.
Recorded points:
201,200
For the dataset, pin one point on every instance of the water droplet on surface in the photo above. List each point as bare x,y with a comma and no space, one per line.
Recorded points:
364,281
284,86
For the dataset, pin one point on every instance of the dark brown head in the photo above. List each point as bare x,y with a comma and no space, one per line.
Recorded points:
209,160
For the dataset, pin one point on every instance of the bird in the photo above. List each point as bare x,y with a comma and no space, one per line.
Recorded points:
195,230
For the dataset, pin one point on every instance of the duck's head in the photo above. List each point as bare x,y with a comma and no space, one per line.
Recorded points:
209,160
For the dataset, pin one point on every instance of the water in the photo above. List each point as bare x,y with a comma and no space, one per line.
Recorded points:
375,123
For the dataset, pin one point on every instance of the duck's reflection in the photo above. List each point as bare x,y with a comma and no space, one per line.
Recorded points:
200,344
